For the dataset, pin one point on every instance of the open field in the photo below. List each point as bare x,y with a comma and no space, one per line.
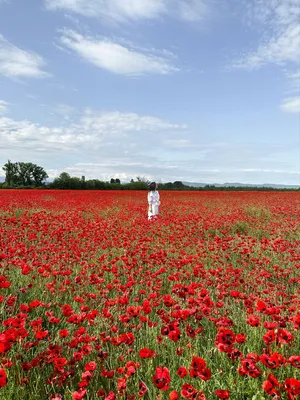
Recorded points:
98,302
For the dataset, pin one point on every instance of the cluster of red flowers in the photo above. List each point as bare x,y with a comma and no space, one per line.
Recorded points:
98,302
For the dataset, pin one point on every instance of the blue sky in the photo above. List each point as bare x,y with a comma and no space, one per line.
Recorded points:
192,90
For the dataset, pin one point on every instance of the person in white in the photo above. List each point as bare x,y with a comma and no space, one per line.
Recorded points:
153,200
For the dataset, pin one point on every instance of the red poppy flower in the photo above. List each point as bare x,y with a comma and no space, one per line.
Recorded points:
249,368
146,353
101,393
4,283
174,335
253,320
295,361
182,372
3,378
261,306
222,394
121,384
270,385
198,363
110,396
204,374
240,338
60,362
292,386
188,391
234,354
161,378
173,395
63,333
80,394
91,366
284,336
269,337
273,361
142,389
40,334
191,332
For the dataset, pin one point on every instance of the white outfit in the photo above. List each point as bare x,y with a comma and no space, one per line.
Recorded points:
153,199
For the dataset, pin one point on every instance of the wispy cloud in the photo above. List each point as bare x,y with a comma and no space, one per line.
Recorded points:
281,22
291,104
294,80
278,50
15,62
120,140
131,10
115,57
63,110
192,10
93,130
3,106
278,22
118,10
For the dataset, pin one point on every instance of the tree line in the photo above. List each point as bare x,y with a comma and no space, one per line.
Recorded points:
23,175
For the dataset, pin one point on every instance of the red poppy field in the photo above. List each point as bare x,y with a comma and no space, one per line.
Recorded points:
97,302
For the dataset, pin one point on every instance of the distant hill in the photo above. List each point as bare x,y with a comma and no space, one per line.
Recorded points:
237,184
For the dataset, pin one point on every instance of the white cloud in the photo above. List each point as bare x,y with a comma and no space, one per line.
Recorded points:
278,50
92,131
291,104
118,141
126,145
124,10
115,57
281,22
3,106
278,22
274,12
15,62
116,122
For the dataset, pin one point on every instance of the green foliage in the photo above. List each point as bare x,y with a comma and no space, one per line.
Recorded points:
65,181
241,227
136,186
260,213
23,174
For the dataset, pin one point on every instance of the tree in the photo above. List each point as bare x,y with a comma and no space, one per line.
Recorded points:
24,174
39,175
11,176
62,182
178,185
167,186
25,171
118,181
112,180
